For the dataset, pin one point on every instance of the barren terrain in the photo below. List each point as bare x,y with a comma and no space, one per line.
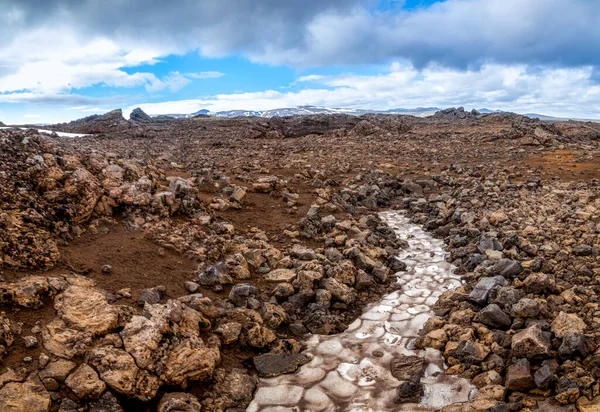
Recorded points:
149,264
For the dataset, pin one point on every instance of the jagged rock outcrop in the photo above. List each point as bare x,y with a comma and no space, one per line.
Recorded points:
139,116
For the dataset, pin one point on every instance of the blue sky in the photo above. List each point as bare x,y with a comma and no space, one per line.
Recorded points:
264,54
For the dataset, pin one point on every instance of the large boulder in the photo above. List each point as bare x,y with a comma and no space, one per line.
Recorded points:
86,309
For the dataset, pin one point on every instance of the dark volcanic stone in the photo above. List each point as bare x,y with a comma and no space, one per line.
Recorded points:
271,364
138,115
215,275
494,317
518,376
573,344
507,268
409,392
482,290
582,250
544,377
241,293
107,403
151,296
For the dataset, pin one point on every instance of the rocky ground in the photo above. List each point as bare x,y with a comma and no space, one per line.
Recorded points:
151,264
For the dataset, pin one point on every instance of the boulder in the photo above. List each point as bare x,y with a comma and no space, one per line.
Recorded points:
86,309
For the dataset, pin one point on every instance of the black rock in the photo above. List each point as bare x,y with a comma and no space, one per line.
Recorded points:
507,268
272,364
409,392
573,344
215,275
138,115
494,317
241,293
482,290
582,250
151,296
544,377
107,403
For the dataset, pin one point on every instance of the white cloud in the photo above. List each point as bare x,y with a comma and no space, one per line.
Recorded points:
204,75
32,116
560,92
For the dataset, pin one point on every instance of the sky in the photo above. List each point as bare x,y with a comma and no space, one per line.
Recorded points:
65,59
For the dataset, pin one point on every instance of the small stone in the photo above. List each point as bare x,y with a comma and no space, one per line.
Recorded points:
280,276
191,287
567,322
507,268
241,293
30,341
407,368
179,402
544,377
229,332
530,343
582,250
494,317
573,344
150,295
409,392
106,269
107,403
43,360
518,376
85,383
482,290
124,293
51,384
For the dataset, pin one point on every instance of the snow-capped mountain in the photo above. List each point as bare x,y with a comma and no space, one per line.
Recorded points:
308,110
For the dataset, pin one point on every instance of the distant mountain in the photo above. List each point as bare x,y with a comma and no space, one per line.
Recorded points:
189,115
488,111
308,110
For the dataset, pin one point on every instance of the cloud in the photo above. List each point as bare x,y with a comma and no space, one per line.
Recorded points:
528,53
205,75
553,91
455,33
